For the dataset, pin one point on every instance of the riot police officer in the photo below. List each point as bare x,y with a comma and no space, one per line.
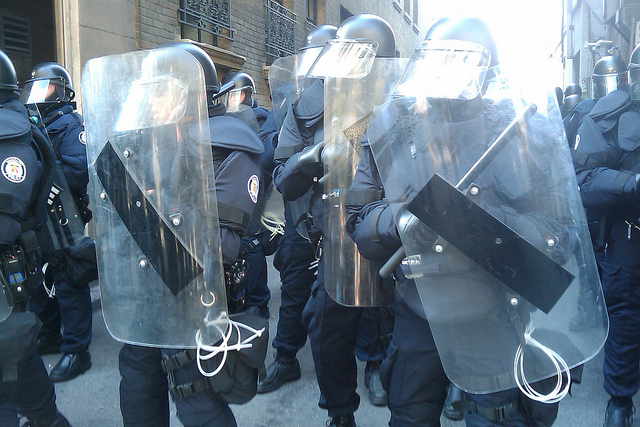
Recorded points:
413,374
258,293
609,73
69,305
296,256
27,167
332,327
143,388
609,186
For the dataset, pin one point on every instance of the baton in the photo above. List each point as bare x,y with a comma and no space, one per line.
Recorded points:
471,175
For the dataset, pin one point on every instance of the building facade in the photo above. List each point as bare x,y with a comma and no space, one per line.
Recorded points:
243,35
592,29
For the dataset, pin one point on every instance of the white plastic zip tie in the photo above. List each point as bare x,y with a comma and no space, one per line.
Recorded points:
224,346
555,395
272,223
50,292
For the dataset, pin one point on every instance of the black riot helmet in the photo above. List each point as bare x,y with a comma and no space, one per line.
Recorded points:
370,27
573,89
634,74
609,74
469,29
8,77
209,68
244,84
319,35
48,87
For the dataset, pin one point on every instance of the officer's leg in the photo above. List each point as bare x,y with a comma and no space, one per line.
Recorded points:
46,308
258,293
374,333
412,373
293,259
144,399
8,412
34,393
76,312
332,331
202,409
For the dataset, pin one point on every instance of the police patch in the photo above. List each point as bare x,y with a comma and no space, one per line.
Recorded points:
83,138
253,186
14,169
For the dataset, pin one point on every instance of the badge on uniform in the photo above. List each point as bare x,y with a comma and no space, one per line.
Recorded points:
253,186
14,169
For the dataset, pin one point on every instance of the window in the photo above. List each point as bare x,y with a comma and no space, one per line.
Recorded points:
205,21
312,11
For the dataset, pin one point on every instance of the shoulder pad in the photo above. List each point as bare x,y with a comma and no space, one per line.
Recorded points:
14,124
629,131
311,103
231,133
610,105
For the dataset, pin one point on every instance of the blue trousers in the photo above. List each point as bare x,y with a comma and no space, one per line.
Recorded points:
33,395
144,400
258,293
71,308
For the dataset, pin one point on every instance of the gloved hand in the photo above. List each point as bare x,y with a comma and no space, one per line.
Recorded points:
309,161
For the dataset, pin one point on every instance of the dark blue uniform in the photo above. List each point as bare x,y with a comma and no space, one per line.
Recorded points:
143,388
332,327
258,293
31,393
611,188
413,374
71,305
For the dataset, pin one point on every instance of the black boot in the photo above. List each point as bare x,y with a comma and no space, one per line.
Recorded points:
343,421
284,369
619,413
377,394
58,420
588,315
454,395
70,366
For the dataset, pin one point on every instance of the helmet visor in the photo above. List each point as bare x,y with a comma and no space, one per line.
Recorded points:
40,91
445,69
345,59
604,84
306,59
234,99
153,102
634,82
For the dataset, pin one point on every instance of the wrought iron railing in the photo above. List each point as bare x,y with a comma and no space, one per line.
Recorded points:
309,24
280,30
209,16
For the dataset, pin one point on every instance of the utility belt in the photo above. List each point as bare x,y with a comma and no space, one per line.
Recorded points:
235,282
20,267
495,414
237,381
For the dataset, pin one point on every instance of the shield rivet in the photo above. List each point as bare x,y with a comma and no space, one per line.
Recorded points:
144,263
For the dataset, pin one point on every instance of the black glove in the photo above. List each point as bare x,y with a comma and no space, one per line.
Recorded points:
309,161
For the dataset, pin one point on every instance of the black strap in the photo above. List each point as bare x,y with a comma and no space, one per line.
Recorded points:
286,151
234,215
363,197
373,223
496,414
621,179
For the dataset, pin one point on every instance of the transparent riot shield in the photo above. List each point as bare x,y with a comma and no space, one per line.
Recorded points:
6,303
496,240
155,212
245,114
349,103
287,79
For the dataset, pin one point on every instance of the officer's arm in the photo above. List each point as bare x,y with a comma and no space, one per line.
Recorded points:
604,188
73,157
369,218
236,201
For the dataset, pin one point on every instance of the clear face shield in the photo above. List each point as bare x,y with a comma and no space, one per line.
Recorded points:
306,59
40,91
634,81
344,59
445,69
153,102
234,100
604,84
